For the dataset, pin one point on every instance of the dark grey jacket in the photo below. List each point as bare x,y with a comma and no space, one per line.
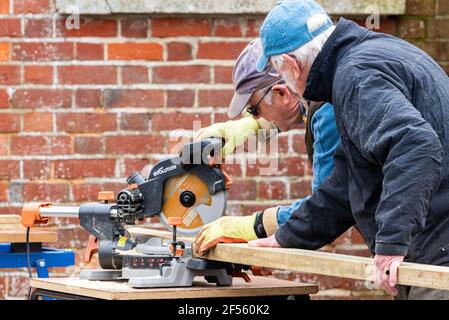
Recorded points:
391,175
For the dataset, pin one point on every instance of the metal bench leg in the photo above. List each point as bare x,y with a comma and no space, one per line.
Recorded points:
42,269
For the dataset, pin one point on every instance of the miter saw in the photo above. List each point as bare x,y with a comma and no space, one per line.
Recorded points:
186,192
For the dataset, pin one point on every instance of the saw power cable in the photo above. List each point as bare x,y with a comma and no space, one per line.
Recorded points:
30,272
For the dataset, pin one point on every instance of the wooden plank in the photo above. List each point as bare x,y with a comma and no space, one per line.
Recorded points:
330,264
10,219
146,232
119,290
9,226
12,230
19,235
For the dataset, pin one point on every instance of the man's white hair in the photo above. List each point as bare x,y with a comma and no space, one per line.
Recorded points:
307,53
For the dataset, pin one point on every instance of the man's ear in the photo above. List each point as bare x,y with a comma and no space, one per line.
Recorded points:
292,65
281,90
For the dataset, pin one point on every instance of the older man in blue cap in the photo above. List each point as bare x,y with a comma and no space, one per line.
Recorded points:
391,176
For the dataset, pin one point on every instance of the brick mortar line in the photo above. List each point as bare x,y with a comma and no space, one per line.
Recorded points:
150,28
11,7
264,202
119,75
121,40
55,75
122,180
114,133
149,74
123,63
194,48
268,179
66,182
119,169
22,27
106,110
155,156
119,27
11,15
196,99
54,124
21,169
156,86
54,26
164,51
165,98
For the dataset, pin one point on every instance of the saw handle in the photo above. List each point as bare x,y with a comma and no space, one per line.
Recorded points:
197,152
205,148
228,180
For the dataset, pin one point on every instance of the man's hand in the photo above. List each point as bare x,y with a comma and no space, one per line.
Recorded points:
265,242
235,133
225,229
386,272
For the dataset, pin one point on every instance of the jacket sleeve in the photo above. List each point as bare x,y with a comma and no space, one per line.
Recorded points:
284,212
322,217
326,141
388,131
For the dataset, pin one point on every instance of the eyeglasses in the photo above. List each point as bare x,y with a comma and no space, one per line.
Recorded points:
253,110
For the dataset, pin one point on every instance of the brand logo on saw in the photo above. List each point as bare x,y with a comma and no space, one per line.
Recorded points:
162,170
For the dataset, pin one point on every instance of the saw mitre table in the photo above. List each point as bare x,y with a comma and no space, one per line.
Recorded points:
73,288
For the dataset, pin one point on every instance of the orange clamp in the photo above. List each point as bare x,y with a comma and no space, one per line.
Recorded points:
31,214
179,252
261,271
175,221
240,274
106,196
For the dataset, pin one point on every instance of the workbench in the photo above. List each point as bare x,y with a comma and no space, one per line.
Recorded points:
13,247
74,288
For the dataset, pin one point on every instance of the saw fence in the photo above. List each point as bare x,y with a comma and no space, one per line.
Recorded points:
316,262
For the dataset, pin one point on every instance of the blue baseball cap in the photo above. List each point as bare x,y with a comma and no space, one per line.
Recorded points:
285,28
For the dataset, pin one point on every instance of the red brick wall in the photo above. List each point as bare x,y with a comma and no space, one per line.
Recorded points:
81,109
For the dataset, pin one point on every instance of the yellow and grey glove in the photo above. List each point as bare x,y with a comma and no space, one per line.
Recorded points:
237,229
234,132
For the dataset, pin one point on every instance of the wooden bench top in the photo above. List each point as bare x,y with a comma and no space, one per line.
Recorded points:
119,290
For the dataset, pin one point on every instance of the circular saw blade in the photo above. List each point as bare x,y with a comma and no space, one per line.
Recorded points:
206,208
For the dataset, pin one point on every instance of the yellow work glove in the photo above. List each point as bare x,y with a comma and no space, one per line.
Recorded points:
226,229
235,230
234,132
